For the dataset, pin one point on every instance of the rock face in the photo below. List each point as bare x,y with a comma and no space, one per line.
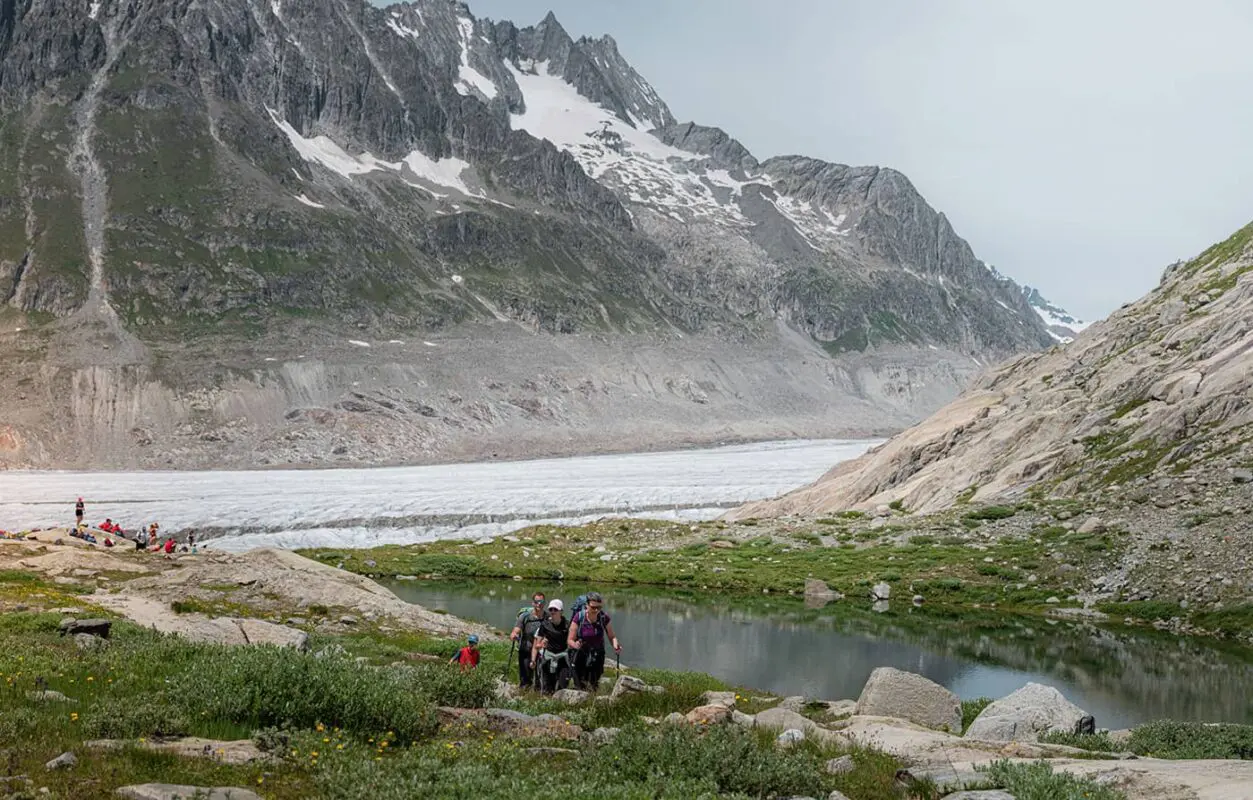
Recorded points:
251,216
893,693
1155,400
1024,715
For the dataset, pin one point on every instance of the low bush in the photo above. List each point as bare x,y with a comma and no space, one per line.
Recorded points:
990,513
1096,742
1168,739
1038,781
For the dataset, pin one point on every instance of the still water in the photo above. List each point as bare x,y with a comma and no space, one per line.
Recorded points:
776,644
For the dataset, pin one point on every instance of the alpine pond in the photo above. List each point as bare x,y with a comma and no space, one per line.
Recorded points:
1123,677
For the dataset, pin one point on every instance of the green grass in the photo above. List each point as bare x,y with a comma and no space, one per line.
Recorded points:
972,709
338,729
1167,739
1096,742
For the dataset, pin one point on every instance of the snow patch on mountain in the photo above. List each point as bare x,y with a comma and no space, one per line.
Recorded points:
1062,325
471,78
445,172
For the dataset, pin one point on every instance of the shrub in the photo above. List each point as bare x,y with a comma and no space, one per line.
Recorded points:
445,685
922,539
897,505
972,709
270,686
123,718
1037,781
990,513
1168,739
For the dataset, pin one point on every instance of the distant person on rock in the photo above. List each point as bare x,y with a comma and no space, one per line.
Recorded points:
468,656
141,540
169,545
107,525
588,630
78,512
528,622
550,653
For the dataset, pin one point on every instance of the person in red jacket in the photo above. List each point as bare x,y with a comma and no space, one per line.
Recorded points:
468,656
169,545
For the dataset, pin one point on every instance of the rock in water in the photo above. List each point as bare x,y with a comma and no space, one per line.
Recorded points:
1024,715
169,791
894,693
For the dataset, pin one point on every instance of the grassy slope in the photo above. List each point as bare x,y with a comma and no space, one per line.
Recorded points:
337,729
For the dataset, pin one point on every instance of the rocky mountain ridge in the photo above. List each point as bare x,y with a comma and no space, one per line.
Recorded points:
1158,391
184,180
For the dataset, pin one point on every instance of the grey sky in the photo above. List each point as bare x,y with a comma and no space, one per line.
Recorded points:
1079,146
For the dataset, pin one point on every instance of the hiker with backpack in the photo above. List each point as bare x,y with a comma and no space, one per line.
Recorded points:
550,653
588,628
528,622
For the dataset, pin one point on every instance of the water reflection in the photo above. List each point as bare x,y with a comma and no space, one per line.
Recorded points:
1123,677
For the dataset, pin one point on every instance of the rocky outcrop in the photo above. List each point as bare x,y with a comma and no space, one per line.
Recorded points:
903,695
1023,716
1156,398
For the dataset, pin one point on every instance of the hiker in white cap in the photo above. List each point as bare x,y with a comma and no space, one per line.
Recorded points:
549,653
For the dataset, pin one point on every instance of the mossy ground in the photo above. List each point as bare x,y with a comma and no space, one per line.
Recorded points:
949,561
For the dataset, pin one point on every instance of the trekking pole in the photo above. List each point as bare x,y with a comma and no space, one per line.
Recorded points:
617,665
509,660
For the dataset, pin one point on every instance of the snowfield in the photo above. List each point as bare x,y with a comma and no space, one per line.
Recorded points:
366,507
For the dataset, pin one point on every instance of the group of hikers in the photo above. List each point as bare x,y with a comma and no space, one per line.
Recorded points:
554,650
148,539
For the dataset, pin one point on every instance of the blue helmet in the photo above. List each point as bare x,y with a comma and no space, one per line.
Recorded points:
474,639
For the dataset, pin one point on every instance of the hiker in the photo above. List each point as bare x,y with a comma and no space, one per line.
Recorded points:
141,540
169,545
468,656
191,541
528,622
107,525
550,653
588,628
78,512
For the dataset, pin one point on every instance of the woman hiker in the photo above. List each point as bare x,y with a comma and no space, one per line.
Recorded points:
528,622
78,513
550,653
587,635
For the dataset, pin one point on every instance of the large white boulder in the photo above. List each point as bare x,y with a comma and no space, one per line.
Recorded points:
894,693
1024,715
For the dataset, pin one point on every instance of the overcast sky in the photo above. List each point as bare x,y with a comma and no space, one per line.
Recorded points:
1078,145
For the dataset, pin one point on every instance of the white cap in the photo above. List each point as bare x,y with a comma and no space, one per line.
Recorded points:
555,603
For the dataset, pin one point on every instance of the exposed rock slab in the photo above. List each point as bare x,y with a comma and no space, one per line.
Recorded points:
239,751
170,791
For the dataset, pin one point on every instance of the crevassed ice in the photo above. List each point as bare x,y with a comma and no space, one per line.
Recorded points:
351,507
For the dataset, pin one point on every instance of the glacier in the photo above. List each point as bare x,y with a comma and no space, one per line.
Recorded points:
239,510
